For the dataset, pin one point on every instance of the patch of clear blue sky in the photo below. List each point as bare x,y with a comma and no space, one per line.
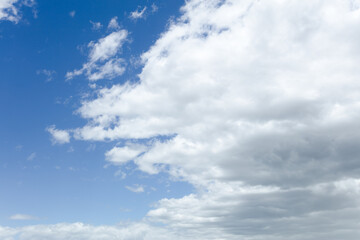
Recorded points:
68,183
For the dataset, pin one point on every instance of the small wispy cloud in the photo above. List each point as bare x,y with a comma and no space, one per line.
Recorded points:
154,8
120,174
136,188
31,156
48,73
22,217
91,148
72,14
137,14
113,24
96,25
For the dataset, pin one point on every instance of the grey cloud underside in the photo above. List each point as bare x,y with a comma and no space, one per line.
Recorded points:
263,100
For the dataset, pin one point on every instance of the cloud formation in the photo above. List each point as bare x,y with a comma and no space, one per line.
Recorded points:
9,9
96,25
113,24
138,14
260,101
103,61
58,136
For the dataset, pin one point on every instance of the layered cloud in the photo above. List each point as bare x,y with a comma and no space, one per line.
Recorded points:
260,102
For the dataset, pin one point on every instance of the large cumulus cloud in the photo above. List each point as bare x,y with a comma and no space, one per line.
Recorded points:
260,100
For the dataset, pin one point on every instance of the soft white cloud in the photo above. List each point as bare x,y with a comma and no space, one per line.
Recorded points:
112,68
136,188
9,9
107,47
137,14
103,61
113,24
22,217
58,136
121,155
259,102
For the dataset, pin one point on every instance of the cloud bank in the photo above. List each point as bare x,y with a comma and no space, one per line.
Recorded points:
261,100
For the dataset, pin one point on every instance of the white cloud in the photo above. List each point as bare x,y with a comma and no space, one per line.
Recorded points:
58,136
107,47
262,100
9,9
113,24
96,25
136,188
112,68
103,61
22,217
121,155
32,156
137,14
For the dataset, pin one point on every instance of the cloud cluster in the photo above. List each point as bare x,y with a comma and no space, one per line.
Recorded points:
58,136
103,61
262,101
9,9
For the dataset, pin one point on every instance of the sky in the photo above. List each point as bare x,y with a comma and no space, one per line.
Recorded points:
198,119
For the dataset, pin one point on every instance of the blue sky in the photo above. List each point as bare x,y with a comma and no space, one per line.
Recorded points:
198,119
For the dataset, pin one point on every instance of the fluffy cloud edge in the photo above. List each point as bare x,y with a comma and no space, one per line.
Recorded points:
9,9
